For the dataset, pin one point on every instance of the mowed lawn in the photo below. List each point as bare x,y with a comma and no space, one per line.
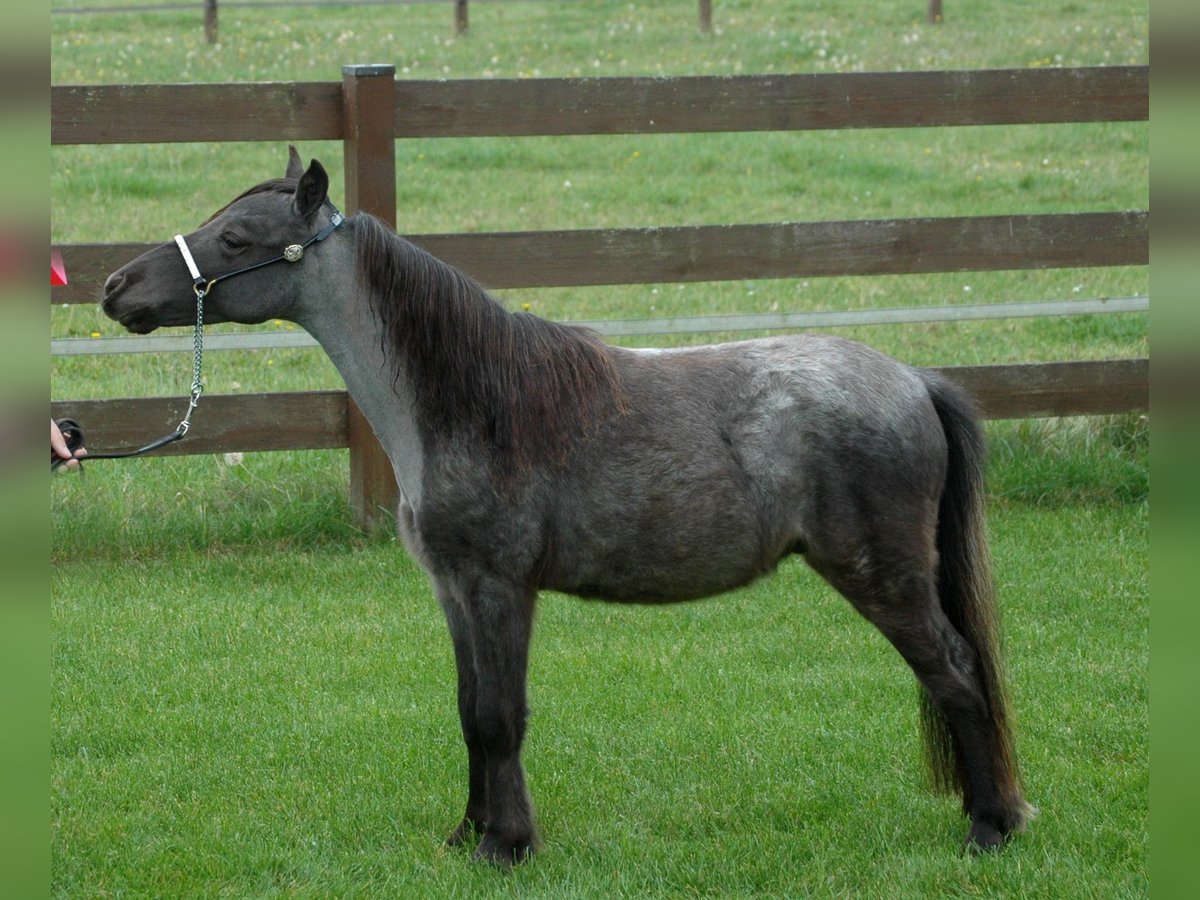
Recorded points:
274,720
250,698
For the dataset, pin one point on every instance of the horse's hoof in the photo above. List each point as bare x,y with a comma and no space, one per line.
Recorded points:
504,853
984,838
466,832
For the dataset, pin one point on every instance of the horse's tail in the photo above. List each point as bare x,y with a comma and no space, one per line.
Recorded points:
968,599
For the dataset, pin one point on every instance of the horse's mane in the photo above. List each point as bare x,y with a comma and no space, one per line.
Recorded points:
527,386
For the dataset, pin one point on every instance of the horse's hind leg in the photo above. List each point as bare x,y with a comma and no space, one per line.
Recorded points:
897,592
947,668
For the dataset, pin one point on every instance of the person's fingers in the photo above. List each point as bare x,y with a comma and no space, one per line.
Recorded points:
57,442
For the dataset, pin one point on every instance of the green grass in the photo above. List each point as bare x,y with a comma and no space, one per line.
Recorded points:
251,698
229,721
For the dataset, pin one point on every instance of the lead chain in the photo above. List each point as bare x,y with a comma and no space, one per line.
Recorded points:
197,363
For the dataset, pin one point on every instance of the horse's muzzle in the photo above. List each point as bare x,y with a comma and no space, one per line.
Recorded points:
136,320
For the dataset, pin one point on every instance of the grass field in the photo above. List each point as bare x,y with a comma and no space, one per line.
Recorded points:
241,718
251,698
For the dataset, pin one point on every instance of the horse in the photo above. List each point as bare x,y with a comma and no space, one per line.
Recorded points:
532,455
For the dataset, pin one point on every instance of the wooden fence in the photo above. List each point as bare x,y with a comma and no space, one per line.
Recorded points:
368,110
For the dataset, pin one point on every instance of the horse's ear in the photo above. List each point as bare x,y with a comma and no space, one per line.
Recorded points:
295,167
311,190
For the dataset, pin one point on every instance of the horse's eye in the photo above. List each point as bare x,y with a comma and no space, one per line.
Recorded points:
232,241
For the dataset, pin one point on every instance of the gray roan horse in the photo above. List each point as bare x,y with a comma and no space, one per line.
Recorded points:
532,455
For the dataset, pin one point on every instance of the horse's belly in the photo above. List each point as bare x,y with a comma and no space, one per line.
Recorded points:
659,587
643,558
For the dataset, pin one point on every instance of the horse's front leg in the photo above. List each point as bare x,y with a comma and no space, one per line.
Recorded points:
501,626
475,819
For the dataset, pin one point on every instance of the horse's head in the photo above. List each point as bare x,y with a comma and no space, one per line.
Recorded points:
233,254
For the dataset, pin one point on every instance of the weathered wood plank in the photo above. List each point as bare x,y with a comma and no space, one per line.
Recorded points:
553,106
168,113
223,423
318,419
796,250
163,113
735,252
1031,390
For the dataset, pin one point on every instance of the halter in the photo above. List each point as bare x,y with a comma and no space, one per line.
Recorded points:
201,286
291,253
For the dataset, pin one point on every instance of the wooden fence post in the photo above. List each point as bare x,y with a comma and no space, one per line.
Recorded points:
210,20
935,12
368,100
461,17
705,16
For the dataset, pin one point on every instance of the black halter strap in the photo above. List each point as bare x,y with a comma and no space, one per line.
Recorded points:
291,253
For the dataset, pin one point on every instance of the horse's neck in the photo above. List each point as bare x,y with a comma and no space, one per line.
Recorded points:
350,336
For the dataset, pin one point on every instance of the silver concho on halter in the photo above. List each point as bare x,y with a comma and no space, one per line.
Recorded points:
293,252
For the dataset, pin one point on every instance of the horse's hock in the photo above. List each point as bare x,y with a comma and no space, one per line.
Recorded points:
369,110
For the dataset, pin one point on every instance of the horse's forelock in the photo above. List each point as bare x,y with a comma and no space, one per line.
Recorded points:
272,186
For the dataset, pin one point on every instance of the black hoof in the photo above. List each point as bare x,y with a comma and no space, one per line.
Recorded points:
504,853
466,832
984,838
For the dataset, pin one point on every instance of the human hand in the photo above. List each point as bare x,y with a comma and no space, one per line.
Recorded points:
58,446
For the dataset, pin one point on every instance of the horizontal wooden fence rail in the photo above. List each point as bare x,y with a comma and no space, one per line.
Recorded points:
802,102
223,423
153,113
306,420
1074,388
369,110
590,257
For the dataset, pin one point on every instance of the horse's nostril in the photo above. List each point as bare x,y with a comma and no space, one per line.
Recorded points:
113,284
